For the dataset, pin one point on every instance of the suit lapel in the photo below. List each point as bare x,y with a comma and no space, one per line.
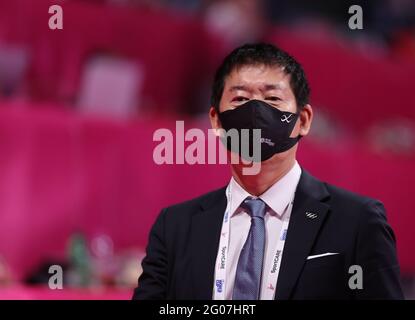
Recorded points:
307,217
205,234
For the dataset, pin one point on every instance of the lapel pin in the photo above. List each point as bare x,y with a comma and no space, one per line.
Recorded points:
311,215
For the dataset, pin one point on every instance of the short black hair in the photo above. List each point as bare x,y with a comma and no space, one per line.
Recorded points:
261,54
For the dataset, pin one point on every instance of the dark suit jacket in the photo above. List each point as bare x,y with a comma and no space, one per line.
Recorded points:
184,240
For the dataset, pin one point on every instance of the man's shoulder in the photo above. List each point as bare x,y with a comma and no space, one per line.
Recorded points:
341,199
194,205
355,204
339,194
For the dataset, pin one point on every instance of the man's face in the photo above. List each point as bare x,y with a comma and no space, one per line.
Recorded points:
267,83
271,85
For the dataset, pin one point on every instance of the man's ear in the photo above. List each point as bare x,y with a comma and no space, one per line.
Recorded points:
306,118
214,120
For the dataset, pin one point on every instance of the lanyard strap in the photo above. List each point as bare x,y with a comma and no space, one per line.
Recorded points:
222,256
221,260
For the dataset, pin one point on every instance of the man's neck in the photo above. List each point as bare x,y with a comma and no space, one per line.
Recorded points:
270,174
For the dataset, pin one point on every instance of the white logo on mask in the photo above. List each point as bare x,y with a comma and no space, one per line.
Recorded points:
285,118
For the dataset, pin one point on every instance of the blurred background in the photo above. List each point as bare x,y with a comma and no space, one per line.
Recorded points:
79,106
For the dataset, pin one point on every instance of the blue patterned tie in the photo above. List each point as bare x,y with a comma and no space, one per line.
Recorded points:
248,273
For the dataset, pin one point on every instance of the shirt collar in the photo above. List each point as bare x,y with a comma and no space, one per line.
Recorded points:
277,197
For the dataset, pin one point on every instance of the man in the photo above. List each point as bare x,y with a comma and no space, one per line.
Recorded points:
279,233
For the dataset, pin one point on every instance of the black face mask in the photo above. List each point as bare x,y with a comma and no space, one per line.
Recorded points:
276,127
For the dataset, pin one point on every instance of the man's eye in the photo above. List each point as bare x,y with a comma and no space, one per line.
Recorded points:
273,98
239,99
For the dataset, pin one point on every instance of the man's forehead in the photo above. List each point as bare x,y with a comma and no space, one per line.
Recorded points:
265,77
258,69
263,86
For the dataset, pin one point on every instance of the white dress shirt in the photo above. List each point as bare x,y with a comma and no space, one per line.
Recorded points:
277,199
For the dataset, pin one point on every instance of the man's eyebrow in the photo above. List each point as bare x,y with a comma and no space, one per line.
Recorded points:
269,87
238,87
266,87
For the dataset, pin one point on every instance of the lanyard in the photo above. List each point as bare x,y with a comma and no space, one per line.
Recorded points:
222,257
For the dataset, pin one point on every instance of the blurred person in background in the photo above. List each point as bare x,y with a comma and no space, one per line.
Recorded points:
237,21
